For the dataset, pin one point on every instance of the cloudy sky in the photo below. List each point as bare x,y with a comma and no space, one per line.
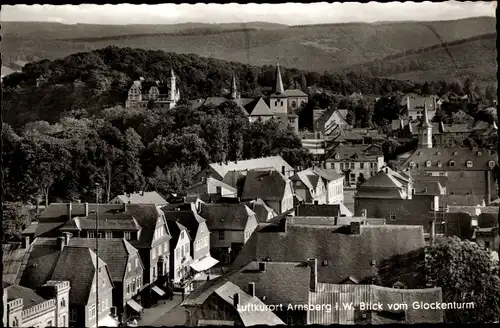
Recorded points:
287,13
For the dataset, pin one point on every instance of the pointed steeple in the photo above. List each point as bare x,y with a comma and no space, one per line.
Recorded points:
425,119
172,74
279,82
234,91
425,131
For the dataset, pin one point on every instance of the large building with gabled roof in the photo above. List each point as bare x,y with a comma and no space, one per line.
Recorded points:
161,94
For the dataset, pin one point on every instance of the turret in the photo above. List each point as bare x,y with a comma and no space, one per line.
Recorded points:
279,82
425,131
234,91
173,90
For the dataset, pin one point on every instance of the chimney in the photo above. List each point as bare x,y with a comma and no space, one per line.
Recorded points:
125,207
67,236
86,209
70,210
251,289
313,263
25,242
219,191
262,266
355,228
236,300
283,169
60,242
142,192
283,224
364,213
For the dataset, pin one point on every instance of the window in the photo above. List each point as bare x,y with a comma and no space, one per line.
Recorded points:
353,165
281,103
491,164
221,235
294,104
372,165
361,165
353,176
49,323
129,267
153,253
182,234
440,164
341,166
428,163
487,244
392,216
136,262
63,302
332,165
442,174
469,163
72,315
109,235
99,235
412,164
92,311
452,164
128,288
90,234
127,235
206,241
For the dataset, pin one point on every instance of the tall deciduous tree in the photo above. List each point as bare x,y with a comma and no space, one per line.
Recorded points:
16,217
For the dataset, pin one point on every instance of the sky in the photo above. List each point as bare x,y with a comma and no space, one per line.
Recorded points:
286,13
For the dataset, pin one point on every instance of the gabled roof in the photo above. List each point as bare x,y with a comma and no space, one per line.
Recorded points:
188,218
323,210
328,174
175,228
261,209
248,316
267,185
275,162
258,107
295,93
148,197
29,296
114,252
268,283
209,184
107,221
226,216
428,188
347,254
12,258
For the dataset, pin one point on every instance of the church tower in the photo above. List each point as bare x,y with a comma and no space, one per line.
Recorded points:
173,90
278,100
425,131
233,93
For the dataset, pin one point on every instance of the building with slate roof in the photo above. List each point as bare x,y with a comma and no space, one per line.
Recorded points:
12,258
343,251
275,189
209,186
235,307
142,225
469,171
309,186
263,212
161,94
332,210
415,105
45,307
180,261
265,280
355,161
126,270
53,259
231,225
279,106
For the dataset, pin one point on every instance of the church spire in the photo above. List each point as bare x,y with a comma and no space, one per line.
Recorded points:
425,131
279,82
425,119
233,90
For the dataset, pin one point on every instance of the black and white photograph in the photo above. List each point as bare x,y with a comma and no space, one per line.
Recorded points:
214,164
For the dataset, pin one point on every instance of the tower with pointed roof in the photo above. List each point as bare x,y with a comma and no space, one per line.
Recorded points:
425,131
173,89
233,94
278,99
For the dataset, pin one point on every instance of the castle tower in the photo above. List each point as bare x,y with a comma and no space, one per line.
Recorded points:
173,90
425,131
60,291
278,100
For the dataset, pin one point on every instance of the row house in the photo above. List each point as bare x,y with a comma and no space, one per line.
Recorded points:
163,94
199,234
126,270
232,172
142,225
180,260
231,225
354,162
45,307
273,187
52,259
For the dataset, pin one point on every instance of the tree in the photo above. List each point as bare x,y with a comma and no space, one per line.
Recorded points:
490,93
303,82
16,217
347,177
180,176
464,281
389,148
361,179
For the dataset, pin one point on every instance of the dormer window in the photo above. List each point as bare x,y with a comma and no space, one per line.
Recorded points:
440,164
428,163
491,164
478,153
438,153
452,163
455,153
337,156
469,163
298,183
412,164
421,154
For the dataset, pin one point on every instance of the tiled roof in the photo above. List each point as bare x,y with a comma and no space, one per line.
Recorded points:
327,221
461,200
275,162
42,259
261,210
13,256
29,296
436,130
371,294
267,185
347,254
472,210
281,283
115,252
417,102
78,266
353,153
107,221
295,93
190,219
148,197
443,180
226,216
480,159
428,188
321,210
328,174
248,317
306,177
381,185
258,107
457,128
175,228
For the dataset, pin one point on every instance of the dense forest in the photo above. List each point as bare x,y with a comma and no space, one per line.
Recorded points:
101,78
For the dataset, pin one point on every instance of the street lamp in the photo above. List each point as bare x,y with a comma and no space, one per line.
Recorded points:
97,254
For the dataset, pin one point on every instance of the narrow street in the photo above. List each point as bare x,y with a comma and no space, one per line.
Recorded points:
165,313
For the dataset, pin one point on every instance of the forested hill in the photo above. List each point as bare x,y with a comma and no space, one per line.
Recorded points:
333,46
101,78
471,57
